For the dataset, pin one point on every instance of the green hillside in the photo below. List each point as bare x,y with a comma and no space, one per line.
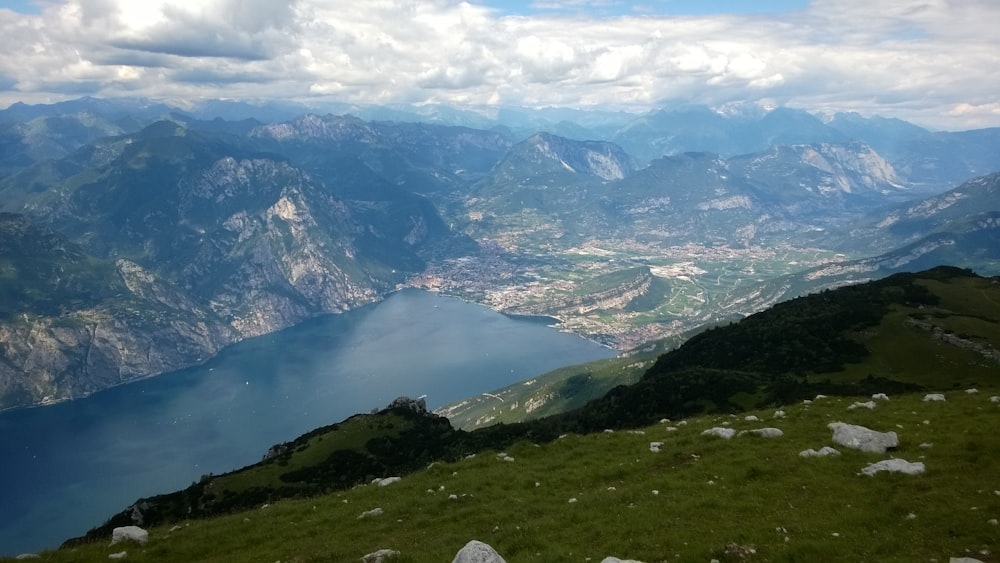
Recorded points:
585,497
934,331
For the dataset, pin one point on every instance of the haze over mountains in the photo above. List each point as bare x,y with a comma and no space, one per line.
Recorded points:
140,238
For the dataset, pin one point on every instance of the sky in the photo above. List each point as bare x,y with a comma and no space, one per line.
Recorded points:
933,62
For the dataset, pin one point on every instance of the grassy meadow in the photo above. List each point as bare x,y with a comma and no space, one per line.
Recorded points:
583,498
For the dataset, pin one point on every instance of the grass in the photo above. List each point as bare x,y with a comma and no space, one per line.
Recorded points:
713,498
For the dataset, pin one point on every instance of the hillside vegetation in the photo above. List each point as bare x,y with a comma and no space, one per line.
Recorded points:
905,332
585,497
937,330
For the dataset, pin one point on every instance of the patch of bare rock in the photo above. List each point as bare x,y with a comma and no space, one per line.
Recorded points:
863,439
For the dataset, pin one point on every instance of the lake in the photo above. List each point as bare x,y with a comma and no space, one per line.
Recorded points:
67,467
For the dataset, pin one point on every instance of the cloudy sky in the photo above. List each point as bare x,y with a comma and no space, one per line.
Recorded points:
933,62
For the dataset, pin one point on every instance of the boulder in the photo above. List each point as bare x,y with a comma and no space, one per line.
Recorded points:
477,552
880,397
119,555
129,533
894,466
861,438
933,397
725,433
655,447
386,481
616,560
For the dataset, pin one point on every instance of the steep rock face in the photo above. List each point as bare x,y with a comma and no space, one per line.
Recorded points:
809,179
148,328
200,243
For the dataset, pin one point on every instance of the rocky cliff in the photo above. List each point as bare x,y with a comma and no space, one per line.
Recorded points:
182,243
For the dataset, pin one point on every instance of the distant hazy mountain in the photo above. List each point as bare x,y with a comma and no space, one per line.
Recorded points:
907,223
688,196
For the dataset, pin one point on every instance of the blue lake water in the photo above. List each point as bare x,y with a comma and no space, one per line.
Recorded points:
66,468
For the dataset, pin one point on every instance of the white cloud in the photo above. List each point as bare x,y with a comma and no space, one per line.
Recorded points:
932,61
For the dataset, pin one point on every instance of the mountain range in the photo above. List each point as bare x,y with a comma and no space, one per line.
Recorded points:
144,238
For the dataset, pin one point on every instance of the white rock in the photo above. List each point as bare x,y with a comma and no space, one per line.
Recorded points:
616,560
387,481
880,397
751,418
129,533
477,552
24,556
894,466
933,397
572,500
993,522
972,391
119,555
453,497
779,414
725,433
818,397
995,399
823,452
380,556
655,447
764,432
861,438
866,405
963,560
682,423
377,511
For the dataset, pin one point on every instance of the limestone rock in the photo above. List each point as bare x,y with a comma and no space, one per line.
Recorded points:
129,533
861,438
894,466
380,556
371,513
477,552
933,397
725,433
823,452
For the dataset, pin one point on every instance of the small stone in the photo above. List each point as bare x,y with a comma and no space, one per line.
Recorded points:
377,511
380,556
